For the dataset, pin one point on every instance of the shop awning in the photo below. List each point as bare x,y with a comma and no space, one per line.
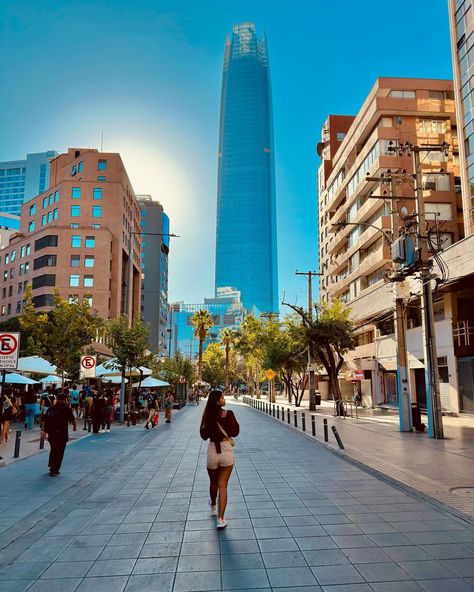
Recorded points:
390,363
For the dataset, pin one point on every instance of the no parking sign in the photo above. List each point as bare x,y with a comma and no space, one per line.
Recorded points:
88,365
9,348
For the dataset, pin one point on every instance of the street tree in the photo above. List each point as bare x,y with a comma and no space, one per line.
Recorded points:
227,338
329,334
32,325
202,321
174,369
214,365
294,359
129,344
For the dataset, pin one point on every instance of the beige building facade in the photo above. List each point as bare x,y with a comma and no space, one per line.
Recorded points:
355,256
80,236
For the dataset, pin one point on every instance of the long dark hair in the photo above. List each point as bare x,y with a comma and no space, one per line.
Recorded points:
211,411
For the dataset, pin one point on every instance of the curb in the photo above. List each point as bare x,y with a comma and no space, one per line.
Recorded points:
373,471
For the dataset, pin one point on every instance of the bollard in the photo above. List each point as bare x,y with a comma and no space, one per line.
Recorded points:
266,407
89,426
303,422
338,437
41,443
273,412
288,415
16,454
326,431
313,425
278,411
295,418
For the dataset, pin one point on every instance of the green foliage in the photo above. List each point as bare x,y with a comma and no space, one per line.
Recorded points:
129,343
202,321
174,369
227,340
213,365
62,334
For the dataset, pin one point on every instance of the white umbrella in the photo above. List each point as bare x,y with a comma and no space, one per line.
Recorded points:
112,379
18,379
35,364
151,382
51,379
112,368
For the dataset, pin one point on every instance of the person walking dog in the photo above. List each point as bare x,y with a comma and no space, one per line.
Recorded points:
55,424
219,427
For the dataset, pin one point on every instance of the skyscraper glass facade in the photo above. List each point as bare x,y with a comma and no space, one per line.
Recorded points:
21,180
246,245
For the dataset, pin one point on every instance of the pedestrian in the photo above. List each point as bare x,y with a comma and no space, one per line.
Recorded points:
9,412
74,397
88,403
55,425
30,409
153,411
108,409
219,427
48,399
168,407
98,409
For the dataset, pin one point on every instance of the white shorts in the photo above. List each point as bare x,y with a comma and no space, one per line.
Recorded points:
224,459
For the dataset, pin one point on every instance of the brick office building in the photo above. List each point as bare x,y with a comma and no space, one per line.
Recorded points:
76,236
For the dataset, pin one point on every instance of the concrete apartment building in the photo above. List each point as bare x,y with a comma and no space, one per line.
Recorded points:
355,257
77,236
155,250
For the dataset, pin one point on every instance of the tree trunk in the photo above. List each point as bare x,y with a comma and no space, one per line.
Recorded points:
334,388
227,365
201,341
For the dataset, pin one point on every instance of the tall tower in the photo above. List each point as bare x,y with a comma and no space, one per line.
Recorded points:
246,245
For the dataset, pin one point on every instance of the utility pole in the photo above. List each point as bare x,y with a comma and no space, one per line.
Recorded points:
312,395
403,372
433,398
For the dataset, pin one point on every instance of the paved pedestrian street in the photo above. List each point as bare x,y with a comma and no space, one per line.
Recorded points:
129,512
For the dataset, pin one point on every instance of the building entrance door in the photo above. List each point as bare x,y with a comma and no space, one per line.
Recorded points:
466,384
420,386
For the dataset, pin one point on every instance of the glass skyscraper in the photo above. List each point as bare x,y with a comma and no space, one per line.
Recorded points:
246,245
20,180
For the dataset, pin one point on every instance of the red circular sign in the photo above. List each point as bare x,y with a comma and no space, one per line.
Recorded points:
8,344
88,362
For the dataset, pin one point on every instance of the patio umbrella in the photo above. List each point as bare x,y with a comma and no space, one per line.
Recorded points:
112,368
51,379
112,379
151,382
201,383
18,379
35,364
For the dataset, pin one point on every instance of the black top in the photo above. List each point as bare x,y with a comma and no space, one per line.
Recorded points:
228,423
56,420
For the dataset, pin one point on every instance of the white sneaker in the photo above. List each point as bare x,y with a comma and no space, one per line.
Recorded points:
101,431
221,523
213,509
108,431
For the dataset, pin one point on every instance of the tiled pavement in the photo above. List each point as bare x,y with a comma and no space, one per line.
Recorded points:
130,513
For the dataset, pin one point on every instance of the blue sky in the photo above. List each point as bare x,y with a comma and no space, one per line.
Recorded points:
147,74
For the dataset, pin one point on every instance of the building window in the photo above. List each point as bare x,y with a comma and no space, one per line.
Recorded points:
10,290
97,193
88,300
75,261
74,280
5,275
33,210
18,306
45,261
74,225
73,170
101,178
97,211
90,242
31,226
50,200
28,247
75,211
340,136
12,273
43,220
45,202
76,192
22,251
20,287
89,261
56,196
102,165
27,267
88,281
95,226
75,241
73,298
55,214
20,271
3,310
9,309
7,259
80,167
13,256
403,94
50,216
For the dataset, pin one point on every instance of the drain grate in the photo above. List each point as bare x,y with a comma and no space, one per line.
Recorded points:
464,491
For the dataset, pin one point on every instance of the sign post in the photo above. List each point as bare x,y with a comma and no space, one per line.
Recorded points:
9,348
88,366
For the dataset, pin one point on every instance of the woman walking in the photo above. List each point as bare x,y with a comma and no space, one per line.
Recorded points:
168,407
8,412
219,427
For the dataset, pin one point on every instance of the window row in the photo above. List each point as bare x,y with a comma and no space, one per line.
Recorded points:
76,241
87,282
75,261
96,193
78,168
10,257
47,218
96,211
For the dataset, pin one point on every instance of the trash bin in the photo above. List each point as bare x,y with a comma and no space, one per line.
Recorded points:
416,418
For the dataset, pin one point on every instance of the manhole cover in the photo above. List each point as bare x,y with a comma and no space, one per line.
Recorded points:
463,490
